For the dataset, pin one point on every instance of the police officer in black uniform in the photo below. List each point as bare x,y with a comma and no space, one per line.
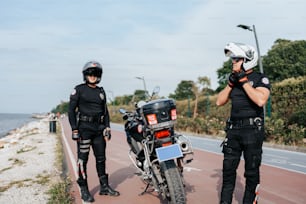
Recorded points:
90,124
248,92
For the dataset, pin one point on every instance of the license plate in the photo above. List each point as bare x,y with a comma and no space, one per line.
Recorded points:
168,152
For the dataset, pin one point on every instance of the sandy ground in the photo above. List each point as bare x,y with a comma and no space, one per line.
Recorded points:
27,167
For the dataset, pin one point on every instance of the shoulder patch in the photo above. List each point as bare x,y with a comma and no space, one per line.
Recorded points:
101,96
73,92
265,80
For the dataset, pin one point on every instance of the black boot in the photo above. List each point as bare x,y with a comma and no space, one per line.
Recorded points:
105,189
84,191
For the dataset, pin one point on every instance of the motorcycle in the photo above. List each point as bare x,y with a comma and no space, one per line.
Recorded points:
156,150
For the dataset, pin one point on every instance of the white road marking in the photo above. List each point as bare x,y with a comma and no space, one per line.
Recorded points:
299,165
189,169
71,157
70,154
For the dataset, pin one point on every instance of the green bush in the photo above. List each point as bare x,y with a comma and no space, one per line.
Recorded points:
285,125
298,117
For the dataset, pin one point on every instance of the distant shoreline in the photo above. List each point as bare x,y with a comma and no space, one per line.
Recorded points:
10,122
28,163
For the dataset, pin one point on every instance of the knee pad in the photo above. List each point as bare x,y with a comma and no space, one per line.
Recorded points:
100,159
100,165
230,164
252,166
231,158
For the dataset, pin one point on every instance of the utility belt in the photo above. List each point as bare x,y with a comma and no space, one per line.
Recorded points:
244,123
91,119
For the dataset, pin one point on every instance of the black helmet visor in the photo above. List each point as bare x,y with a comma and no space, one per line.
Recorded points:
93,72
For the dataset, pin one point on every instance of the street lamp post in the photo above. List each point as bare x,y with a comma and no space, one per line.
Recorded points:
144,84
111,92
259,60
256,40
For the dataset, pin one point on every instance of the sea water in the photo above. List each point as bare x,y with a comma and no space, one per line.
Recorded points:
11,121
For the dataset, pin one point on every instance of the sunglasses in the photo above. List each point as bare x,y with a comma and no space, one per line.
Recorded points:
236,59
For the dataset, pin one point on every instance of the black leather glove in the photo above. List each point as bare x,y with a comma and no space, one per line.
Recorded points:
107,133
242,77
232,80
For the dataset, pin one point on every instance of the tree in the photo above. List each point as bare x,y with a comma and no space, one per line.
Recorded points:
139,95
223,74
61,108
183,90
203,83
123,100
286,59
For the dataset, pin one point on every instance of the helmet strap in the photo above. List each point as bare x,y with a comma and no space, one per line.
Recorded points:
248,72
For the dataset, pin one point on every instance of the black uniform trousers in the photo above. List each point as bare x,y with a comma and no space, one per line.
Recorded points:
247,140
94,138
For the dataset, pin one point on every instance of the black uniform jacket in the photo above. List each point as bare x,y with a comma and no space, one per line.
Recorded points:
242,105
88,101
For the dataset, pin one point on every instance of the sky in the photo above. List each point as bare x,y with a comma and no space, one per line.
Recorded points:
44,44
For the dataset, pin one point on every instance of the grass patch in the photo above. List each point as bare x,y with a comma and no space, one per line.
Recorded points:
60,191
42,179
5,169
17,161
26,149
21,183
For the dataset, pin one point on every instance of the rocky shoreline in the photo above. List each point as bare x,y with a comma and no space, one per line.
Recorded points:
28,163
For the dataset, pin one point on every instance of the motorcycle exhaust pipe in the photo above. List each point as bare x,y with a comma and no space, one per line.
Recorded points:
184,143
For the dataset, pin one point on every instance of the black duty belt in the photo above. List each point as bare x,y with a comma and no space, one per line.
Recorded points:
245,122
91,119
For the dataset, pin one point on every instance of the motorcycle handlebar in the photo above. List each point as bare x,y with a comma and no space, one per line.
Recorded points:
130,115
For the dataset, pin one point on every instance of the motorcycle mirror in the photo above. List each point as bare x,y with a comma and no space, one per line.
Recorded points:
122,111
125,117
155,91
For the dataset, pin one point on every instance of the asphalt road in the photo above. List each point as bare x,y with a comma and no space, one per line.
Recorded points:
283,177
284,159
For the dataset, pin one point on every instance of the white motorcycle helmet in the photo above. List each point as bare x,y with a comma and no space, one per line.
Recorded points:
240,50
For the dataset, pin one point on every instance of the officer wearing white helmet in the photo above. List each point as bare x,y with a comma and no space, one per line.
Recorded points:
248,91
90,124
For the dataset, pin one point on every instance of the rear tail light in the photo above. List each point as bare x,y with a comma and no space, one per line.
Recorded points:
162,134
166,144
173,114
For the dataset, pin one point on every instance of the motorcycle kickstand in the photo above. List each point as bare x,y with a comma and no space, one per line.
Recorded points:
145,190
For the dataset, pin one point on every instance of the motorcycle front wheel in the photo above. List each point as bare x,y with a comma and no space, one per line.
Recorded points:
176,192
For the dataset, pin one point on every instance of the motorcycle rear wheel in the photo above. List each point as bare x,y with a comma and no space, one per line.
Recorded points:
176,192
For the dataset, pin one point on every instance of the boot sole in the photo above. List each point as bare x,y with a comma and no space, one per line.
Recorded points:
87,201
115,195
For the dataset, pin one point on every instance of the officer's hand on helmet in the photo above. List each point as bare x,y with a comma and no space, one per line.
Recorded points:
232,80
107,134
75,135
242,77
